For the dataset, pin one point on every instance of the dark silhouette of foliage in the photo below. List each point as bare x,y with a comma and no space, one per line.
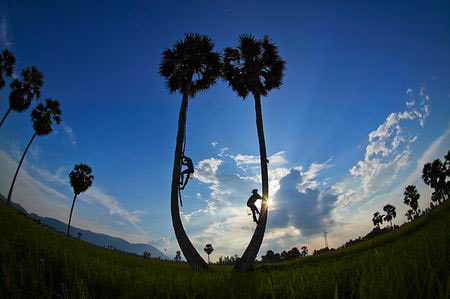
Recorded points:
304,251
390,213
79,235
410,215
147,254
294,253
208,249
434,175
7,62
43,117
377,219
177,257
254,67
24,91
192,57
80,180
412,199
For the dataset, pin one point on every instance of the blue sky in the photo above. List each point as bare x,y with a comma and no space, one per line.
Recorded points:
365,100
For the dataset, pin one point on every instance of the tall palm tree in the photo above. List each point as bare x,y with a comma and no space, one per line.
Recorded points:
7,62
80,180
190,58
254,67
43,117
24,91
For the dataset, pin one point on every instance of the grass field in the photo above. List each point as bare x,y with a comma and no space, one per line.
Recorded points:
410,262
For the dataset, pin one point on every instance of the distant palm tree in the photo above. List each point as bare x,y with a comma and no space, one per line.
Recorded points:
254,67
43,117
7,62
80,180
24,91
208,249
390,213
377,219
411,198
190,58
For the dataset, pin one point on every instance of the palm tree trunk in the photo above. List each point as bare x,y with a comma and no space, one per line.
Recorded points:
5,116
189,252
8,200
70,217
246,262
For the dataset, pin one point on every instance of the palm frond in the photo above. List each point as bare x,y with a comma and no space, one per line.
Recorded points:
192,57
255,65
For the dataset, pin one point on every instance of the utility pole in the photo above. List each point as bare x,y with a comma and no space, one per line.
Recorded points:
325,237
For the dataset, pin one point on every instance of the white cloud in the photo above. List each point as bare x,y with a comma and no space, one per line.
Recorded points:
214,143
276,159
70,134
387,153
97,195
5,40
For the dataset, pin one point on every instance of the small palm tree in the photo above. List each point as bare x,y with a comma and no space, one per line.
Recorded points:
390,213
377,219
24,91
7,62
80,180
254,67
43,117
190,58
411,198
208,249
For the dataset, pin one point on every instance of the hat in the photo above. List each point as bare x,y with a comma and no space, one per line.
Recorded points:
254,190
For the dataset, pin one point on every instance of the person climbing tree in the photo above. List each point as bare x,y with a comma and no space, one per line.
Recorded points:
188,172
251,203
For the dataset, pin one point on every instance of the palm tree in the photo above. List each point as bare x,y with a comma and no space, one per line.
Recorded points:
411,198
43,117
190,58
254,67
80,180
377,219
24,91
7,62
390,213
208,249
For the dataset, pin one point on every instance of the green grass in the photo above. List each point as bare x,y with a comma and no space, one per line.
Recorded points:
411,262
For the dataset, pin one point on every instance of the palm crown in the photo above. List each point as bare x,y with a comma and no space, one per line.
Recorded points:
208,249
190,58
25,90
7,61
43,117
81,178
254,65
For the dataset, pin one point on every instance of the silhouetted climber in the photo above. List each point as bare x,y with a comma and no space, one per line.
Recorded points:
188,172
251,203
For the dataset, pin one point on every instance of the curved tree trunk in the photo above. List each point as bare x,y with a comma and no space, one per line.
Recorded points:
8,200
247,259
70,217
189,252
5,116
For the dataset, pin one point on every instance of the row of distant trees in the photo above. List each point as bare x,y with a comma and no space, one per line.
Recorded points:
435,175
23,90
272,257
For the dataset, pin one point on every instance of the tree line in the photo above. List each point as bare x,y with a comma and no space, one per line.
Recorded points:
435,175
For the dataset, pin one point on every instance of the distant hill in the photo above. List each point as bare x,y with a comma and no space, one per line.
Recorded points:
98,239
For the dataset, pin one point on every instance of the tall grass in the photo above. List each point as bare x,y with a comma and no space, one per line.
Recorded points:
411,262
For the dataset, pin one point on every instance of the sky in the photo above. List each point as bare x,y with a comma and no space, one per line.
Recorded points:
365,102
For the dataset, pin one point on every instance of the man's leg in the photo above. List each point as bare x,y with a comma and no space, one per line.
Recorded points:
185,181
254,209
